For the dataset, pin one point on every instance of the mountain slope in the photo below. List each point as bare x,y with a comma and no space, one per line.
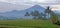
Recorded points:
36,7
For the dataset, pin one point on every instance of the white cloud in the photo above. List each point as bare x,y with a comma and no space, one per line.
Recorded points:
55,7
3,1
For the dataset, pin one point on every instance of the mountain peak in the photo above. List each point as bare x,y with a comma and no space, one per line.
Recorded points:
36,5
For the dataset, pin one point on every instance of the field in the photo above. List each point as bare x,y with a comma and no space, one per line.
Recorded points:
27,24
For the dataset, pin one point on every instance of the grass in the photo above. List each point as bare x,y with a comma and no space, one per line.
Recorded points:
28,24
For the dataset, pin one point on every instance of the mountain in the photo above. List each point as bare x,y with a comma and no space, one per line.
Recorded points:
20,14
35,7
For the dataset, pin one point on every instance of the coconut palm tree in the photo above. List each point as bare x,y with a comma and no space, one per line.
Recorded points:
53,16
48,11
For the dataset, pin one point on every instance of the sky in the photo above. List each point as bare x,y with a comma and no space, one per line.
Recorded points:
30,1
33,2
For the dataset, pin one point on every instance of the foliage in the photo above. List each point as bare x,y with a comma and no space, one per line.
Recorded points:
35,13
42,16
54,18
48,10
27,14
28,23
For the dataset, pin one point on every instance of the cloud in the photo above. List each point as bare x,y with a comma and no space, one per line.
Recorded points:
31,1
36,1
55,7
3,1
4,7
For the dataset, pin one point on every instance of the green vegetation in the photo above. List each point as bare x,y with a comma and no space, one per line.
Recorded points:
28,24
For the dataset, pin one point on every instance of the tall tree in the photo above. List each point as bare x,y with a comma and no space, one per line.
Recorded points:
48,11
35,14
27,14
42,16
53,16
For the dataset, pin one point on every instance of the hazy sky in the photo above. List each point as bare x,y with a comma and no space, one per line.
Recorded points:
30,2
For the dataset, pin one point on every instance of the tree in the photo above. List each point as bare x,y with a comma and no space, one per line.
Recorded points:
27,14
59,16
53,16
42,16
48,11
35,14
